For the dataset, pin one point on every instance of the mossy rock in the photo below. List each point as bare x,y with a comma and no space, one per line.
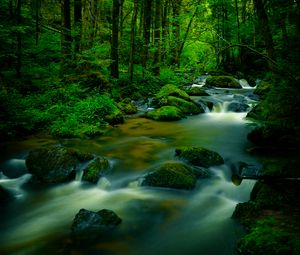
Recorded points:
172,90
95,169
165,113
263,88
186,107
174,175
223,82
196,91
114,118
81,156
90,226
268,236
55,164
199,156
127,106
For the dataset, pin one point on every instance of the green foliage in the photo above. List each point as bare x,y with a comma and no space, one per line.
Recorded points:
166,113
172,90
267,237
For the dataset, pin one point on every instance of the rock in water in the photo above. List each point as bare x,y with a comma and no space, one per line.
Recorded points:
95,169
222,82
199,156
5,197
52,165
89,225
174,175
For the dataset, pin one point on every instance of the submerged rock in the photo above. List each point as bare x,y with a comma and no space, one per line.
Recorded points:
222,82
167,113
174,175
238,107
199,156
52,165
95,169
89,225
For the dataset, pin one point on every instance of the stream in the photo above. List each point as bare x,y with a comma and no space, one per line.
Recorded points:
154,220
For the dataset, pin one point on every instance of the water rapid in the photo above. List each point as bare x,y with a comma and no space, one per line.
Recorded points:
155,220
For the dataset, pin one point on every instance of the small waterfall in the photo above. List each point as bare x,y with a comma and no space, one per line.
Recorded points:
221,107
245,85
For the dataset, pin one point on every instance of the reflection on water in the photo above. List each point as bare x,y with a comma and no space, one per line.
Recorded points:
155,220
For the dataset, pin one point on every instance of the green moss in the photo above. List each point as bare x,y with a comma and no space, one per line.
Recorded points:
171,90
167,113
196,91
95,169
127,106
223,82
199,156
172,175
187,107
263,88
268,237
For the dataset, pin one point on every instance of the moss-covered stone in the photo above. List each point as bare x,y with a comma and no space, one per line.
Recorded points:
186,107
114,118
172,90
196,91
174,175
55,164
127,106
95,169
199,156
223,82
165,113
89,225
81,156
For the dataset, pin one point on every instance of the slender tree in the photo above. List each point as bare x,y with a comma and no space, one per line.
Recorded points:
19,40
66,38
146,30
132,39
78,25
114,71
157,34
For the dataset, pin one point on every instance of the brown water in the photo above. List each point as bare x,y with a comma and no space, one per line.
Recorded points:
155,220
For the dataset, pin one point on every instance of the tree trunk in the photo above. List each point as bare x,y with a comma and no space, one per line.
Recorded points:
114,71
146,30
37,20
66,39
165,30
78,25
238,30
265,29
176,32
157,26
132,39
19,41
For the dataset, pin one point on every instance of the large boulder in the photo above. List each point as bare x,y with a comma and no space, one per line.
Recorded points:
165,113
199,156
172,90
89,225
238,107
55,164
222,82
127,106
174,175
187,107
95,169
196,91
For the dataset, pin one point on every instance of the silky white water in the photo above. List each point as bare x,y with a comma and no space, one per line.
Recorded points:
155,220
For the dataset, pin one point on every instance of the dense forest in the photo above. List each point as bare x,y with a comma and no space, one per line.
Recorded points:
78,69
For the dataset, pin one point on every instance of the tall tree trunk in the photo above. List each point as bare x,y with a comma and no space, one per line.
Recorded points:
19,41
66,38
238,30
114,71
37,20
121,18
265,29
146,30
187,31
78,25
140,31
176,32
165,30
132,39
157,26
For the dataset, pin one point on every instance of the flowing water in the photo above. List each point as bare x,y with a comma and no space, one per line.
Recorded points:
155,220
